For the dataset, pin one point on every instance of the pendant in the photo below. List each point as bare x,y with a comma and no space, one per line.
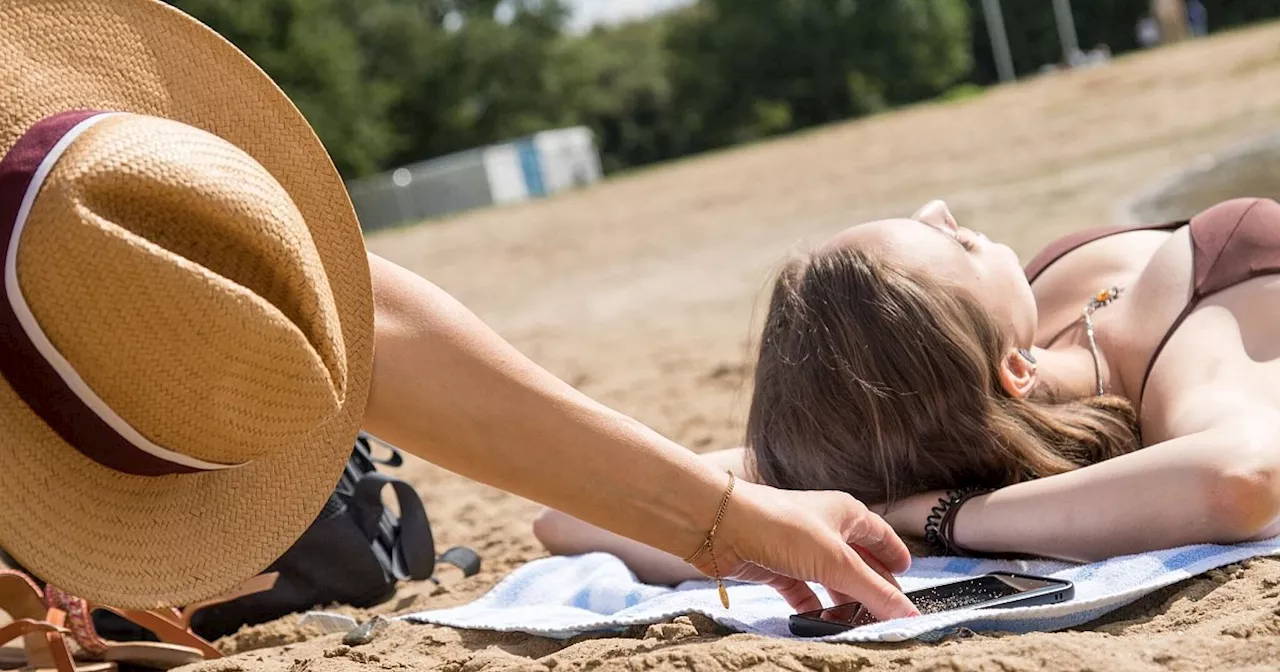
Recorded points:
724,595
1105,296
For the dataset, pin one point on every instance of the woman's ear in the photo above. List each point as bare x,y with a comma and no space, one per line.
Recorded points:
1018,373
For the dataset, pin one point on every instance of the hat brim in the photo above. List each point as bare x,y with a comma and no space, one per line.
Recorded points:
145,542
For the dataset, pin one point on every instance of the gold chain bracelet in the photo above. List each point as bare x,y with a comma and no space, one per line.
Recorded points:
708,545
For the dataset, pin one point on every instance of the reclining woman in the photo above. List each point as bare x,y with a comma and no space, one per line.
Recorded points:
1117,395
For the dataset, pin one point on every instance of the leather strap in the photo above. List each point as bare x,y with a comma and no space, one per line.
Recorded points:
258,584
40,628
20,597
364,444
168,625
166,630
407,545
25,626
49,648
411,553
463,558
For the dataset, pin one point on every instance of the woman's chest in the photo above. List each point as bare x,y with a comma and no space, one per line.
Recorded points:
1064,288
1185,360
1191,358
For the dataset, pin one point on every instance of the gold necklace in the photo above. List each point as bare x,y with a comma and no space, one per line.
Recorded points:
1102,298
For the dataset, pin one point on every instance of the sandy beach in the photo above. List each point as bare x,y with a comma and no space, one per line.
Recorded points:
646,291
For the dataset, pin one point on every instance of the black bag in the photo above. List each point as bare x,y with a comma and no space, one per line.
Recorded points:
354,554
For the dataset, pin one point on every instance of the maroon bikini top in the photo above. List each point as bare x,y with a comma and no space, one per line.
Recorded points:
1231,242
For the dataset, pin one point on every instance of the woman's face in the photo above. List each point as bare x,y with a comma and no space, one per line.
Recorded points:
932,242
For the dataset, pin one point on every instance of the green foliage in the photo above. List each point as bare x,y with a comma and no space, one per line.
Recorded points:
1033,32
1232,13
741,70
961,92
389,82
315,57
616,81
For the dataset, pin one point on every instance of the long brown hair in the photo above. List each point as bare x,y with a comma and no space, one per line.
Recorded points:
883,383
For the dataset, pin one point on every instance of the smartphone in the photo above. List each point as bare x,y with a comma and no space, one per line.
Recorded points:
997,589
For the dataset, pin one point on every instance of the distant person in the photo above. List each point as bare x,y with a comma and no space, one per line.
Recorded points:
1116,395
1172,16
1097,56
1148,30
1197,18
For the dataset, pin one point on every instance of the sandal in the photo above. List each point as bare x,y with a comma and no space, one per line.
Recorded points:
42,629
178,645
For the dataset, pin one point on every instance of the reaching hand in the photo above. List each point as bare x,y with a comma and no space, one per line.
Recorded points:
786,538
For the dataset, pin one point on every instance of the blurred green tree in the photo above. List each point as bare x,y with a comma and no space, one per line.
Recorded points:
388,82
754,68
320,62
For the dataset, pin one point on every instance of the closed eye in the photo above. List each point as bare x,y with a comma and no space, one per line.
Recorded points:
964,241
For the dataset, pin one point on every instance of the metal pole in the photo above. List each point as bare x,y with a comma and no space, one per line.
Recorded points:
999,40
1066,30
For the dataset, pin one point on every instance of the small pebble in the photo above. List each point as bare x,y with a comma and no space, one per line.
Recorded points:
366,633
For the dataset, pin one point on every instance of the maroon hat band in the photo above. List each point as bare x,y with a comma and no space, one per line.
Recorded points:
33,367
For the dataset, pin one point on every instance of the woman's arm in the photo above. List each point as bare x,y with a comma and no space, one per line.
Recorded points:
448,389
1220,485
563,534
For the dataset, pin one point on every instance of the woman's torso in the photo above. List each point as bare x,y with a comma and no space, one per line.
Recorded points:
1218,360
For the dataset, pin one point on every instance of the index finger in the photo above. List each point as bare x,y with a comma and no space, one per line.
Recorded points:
854,578
877,566
841,598
876,536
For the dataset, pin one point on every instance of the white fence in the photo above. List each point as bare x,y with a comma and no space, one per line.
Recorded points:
534,167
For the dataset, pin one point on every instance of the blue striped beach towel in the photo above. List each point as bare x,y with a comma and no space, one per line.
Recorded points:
561,597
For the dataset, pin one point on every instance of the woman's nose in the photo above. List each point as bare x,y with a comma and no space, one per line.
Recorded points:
936,213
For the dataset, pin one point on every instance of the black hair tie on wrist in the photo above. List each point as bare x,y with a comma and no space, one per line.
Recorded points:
940,525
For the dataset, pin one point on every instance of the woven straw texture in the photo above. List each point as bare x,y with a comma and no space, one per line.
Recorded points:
206,278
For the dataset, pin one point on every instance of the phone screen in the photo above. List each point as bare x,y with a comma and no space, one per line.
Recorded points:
946,597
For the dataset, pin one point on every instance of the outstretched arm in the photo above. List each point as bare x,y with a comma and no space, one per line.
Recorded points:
448,389
1220,485
563,534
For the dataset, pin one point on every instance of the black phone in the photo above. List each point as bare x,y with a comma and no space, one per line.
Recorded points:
997,589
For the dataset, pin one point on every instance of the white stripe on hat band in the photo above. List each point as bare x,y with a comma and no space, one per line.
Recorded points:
41,341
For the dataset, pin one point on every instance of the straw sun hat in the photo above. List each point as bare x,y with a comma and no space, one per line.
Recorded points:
186,331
